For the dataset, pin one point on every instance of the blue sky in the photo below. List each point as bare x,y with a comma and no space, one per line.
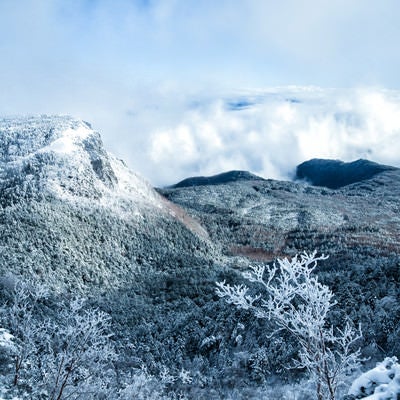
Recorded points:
136,67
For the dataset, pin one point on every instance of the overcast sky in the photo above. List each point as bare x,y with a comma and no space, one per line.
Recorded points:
156,78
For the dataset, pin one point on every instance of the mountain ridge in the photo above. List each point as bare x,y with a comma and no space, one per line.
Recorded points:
223,177
272,218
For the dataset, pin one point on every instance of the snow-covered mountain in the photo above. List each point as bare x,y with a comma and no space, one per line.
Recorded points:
264,219
64,157
67,202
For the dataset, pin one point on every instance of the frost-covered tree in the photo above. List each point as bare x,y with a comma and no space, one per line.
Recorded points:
295,301
68,355
80,355
27,330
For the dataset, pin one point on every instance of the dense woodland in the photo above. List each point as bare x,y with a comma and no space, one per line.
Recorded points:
116,299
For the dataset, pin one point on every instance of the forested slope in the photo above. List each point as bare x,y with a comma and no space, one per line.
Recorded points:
74,219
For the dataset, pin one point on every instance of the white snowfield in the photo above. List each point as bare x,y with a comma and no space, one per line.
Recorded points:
132,185
379,383
68,142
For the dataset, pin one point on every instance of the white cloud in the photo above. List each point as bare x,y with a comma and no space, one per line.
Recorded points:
284,128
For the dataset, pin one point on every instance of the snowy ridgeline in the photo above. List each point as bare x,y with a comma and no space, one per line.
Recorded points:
379,383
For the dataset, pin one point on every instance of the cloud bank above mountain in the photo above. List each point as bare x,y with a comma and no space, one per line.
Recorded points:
270,132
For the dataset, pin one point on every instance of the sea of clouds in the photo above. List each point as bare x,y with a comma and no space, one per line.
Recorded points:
268,132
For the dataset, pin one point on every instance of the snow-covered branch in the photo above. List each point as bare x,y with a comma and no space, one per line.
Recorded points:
296,301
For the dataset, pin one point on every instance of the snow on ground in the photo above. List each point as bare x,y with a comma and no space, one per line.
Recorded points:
67,143
379,383
132,185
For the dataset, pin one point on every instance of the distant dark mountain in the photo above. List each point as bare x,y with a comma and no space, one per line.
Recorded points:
225,177
335,174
